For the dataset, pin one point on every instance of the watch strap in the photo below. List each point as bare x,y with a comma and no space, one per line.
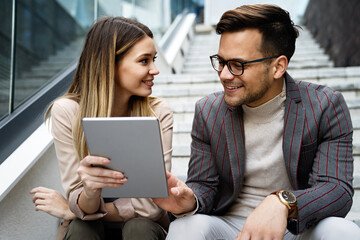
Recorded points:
293,211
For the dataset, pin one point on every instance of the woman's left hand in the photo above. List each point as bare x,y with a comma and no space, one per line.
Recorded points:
52,202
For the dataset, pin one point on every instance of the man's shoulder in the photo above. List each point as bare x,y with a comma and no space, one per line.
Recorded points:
311,89
213,98
315,89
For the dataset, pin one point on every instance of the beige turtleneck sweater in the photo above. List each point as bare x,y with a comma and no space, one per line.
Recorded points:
265,170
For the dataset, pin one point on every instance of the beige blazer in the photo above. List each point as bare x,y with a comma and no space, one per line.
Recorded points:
62,117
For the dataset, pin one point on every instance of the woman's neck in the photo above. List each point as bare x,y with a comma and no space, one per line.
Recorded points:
120,107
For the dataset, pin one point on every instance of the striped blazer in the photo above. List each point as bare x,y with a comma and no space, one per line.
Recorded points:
317,149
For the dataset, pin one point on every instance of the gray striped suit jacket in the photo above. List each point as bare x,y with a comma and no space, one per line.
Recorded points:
317,148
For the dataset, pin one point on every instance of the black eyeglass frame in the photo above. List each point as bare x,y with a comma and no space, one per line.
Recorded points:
237,61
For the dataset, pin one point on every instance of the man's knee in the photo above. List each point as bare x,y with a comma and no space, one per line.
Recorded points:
195,227
336,228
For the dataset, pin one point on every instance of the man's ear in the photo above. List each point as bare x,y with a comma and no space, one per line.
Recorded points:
280,66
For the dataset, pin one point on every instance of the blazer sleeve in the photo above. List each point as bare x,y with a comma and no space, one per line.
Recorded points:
202,175
331,178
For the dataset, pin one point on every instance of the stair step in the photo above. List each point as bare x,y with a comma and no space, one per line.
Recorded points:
182,150
41,74
182,138
184,117
295,58
33,82
182,127
295,63
190,90
180,167
344,73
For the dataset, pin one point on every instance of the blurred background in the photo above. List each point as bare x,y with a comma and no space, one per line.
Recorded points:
41,40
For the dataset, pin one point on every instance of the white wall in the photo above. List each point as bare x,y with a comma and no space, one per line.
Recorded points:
156,16
213,9
18,218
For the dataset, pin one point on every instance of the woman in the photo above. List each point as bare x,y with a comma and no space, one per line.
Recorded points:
113,78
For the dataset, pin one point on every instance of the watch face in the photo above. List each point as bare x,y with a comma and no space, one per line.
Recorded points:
289,197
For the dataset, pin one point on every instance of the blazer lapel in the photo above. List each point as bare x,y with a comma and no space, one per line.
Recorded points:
293,129
234,131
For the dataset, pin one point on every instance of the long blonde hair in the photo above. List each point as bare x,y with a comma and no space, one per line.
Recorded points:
106,43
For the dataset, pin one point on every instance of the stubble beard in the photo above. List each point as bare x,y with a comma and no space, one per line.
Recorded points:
248,97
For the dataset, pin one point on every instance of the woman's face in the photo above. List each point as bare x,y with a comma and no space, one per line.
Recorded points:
134,74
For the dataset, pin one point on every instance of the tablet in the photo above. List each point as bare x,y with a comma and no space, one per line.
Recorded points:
133,145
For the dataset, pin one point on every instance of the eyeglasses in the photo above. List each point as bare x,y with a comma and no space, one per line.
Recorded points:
236,67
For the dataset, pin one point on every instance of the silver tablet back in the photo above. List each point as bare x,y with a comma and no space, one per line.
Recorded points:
133,144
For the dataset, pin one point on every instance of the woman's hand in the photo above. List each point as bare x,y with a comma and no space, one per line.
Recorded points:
51,202
95,176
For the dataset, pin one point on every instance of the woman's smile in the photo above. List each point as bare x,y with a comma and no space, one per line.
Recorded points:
149,83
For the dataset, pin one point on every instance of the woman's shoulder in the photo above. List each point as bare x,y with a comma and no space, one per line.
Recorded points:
65,107
160,106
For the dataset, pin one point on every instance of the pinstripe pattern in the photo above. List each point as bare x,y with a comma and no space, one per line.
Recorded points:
317,148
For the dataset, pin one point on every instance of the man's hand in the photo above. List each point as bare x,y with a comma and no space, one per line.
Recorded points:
181,198
267,221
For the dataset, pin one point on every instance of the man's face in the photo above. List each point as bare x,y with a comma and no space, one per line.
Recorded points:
256,85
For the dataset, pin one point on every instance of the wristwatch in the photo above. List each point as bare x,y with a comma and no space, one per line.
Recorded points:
289,200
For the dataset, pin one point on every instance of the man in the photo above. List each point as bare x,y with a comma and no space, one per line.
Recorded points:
271,157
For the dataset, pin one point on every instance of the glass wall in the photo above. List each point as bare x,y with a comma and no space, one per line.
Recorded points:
41,38
45,37
5,54
38,39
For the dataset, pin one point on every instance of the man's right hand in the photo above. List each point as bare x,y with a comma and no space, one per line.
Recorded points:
181,198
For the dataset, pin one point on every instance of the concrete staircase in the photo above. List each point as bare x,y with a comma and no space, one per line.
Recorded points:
198,79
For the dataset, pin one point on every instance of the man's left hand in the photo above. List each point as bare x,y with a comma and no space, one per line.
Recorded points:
267,221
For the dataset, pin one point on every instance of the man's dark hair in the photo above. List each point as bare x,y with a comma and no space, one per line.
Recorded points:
278,31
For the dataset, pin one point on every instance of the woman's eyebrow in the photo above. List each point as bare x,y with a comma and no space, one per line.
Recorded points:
146,55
